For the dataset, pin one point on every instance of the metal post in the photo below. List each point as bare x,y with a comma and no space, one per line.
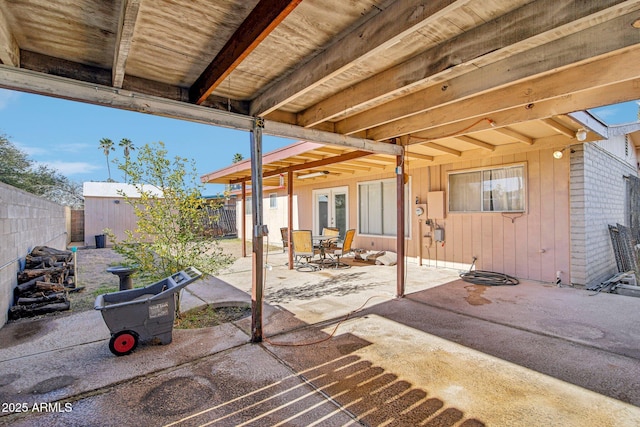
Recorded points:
290,216
400,227
244,219
258,231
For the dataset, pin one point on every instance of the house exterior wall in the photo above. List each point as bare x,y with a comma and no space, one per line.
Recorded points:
532,245
274,218
598,198
26,221
563,232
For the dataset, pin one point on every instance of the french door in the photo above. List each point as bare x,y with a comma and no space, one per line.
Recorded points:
330,209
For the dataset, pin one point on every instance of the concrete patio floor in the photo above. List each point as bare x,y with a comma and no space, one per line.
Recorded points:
448,354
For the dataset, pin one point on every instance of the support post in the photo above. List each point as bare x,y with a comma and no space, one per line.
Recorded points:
257,284
290,215
400,226
244,219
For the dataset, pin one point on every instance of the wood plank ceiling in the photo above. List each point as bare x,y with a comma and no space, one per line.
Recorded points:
442,78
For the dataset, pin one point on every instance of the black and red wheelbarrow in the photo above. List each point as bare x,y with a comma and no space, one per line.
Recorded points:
143,314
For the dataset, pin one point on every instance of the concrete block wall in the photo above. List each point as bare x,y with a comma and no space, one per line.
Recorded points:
26,221
597,198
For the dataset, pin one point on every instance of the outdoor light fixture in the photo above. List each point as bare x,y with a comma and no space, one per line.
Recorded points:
581,134
313,175
559,153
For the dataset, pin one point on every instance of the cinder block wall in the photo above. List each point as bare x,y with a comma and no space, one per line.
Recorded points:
26,221
597,199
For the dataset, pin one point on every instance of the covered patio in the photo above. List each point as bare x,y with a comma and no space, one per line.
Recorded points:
398,78
339,349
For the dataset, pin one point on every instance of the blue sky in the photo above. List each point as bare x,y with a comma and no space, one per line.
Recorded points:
626,112
65,135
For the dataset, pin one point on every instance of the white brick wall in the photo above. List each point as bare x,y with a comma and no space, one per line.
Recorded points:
597,199
26,221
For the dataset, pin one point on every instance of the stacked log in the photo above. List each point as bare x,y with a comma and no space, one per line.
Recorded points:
44,284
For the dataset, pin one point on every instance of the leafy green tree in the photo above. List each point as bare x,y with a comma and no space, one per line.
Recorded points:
107,146
127,146
171,216
17,170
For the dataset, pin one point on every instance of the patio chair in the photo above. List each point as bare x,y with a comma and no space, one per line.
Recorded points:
303,250
284,235
345,249
333,235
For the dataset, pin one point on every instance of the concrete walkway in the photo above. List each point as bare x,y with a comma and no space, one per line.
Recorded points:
450,353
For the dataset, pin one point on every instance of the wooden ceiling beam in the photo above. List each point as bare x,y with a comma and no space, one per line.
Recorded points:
126,26
369,165
309,165
612,94
9,49
357,167
383,30
418,156
39,83
476,142
510,72
561,84
516,135
263,19
558,127
441,148
539,22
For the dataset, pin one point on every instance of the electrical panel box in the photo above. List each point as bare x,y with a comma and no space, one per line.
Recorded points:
438,234
435,204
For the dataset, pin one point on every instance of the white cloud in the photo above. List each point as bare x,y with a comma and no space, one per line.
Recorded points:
71,168
73,147
6,97
30,150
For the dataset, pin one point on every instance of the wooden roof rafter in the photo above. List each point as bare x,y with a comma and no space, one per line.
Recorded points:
9,49
126,26
476,142
518,136
307,165
382,31
521,80
559,127
547,15
263,19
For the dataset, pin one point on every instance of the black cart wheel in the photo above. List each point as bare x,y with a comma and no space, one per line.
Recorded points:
123,343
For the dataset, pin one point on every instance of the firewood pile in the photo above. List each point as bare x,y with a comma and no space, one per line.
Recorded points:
44,284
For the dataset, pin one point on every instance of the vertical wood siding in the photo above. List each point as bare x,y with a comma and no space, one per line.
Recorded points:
534,245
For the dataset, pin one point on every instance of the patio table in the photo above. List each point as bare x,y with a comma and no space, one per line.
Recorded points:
319,242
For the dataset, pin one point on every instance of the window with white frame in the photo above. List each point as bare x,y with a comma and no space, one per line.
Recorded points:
247,206
377,208
500,189
273,201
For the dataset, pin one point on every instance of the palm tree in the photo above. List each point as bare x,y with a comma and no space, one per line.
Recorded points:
107,145
237,158
127,145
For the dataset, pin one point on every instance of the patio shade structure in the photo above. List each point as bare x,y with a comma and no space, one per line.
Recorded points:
431,78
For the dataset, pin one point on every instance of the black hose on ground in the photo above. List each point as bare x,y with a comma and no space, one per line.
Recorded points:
488,278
